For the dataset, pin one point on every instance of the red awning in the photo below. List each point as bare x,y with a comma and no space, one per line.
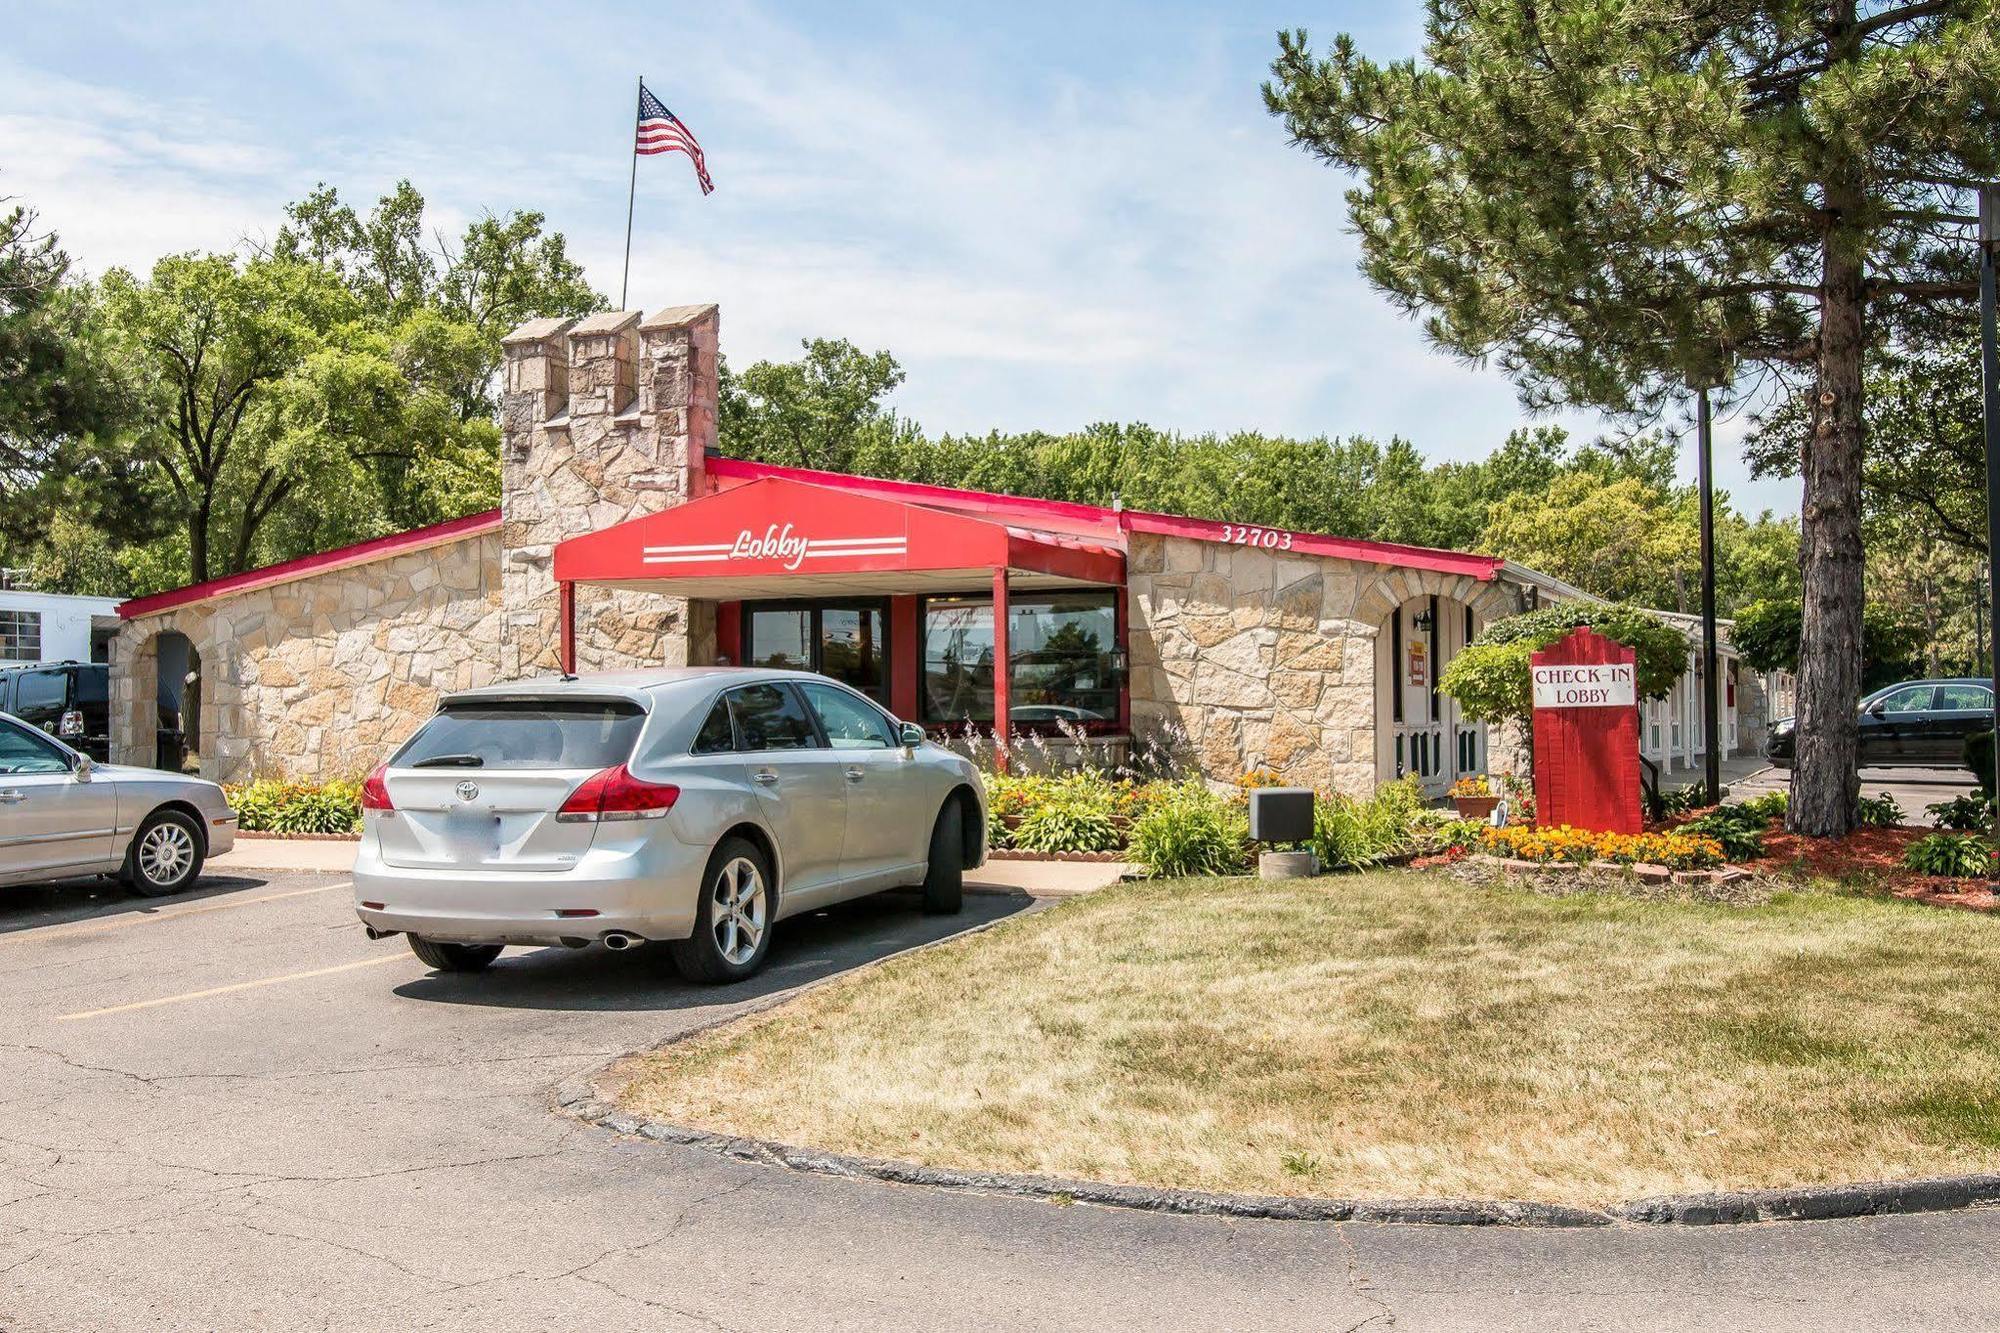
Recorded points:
776,537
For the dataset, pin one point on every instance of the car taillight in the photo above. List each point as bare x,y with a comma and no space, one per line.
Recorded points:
375,791
616,794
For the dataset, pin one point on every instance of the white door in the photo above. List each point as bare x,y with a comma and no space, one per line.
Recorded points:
1431,739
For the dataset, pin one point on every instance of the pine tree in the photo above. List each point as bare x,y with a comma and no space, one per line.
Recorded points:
1616,199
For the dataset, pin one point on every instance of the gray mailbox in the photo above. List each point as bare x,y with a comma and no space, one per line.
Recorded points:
1281,814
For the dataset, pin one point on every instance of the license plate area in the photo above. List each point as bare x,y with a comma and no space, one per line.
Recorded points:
472,834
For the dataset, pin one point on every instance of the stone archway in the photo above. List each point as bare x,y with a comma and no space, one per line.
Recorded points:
162,694
177,692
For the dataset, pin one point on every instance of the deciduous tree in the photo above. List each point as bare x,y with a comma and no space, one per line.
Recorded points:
1616,199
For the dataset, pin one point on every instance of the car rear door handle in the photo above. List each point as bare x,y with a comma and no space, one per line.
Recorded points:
856,774
767,777
12,797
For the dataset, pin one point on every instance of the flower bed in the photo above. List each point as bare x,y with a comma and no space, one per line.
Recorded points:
1574,846
297,809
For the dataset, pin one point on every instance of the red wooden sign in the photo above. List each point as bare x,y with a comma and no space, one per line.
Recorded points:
1587,734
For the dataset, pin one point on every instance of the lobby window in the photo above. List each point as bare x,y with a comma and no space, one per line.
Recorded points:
1061,646
847,641
20,636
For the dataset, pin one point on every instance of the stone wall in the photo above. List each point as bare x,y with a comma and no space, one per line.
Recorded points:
604,419
320,677
1266,660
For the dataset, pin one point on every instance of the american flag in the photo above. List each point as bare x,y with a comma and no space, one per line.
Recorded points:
661,131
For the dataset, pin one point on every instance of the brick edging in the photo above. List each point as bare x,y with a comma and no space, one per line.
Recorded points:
1015,854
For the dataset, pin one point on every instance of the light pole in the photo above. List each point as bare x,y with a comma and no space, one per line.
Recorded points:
1711,657
1989,373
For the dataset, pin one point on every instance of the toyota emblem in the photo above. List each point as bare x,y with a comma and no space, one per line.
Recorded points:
468,790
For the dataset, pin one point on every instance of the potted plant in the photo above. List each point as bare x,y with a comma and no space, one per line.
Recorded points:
1474,796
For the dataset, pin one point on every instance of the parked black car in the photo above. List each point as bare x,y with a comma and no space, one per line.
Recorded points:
1921,723
71,700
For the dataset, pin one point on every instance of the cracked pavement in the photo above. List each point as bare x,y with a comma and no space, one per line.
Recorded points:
373,1148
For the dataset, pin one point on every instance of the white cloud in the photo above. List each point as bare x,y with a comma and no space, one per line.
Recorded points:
1041,246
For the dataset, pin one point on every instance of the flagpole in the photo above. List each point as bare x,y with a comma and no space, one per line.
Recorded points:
631,192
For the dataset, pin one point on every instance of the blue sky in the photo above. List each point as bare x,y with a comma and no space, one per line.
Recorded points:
1052,214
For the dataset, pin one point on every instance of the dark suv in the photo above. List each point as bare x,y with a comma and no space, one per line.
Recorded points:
71,700
1921,723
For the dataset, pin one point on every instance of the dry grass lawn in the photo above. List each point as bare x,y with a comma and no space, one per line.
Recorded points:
1391,1034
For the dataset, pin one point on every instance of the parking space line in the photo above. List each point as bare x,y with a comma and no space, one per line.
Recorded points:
98,927
233,987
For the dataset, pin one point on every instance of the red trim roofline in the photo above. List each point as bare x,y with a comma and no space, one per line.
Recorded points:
1067,516
325,562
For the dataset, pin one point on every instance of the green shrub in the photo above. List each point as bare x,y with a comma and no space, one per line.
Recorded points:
1341,838
1433,832
1879,811
1687,797
1770,806
1189,830
1969,814
1739,829
1350,834
1979,758
1489,677
1957,855
271,806
1072,814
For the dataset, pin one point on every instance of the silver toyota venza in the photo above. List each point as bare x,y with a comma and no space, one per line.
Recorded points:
696,807
62,815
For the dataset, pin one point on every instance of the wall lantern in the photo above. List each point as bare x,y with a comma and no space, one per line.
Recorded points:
1421,621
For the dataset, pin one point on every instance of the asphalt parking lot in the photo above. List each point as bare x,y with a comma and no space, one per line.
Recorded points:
232,1111
1913,788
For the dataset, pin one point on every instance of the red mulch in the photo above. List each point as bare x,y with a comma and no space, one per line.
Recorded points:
1877,851
1874,852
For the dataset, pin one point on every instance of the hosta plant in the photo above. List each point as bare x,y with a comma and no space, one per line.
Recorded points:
1954,855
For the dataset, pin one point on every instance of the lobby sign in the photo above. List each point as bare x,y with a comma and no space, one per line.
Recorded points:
1587,734
1586,685
783,545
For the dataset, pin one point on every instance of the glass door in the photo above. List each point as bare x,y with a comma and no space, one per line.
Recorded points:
847,641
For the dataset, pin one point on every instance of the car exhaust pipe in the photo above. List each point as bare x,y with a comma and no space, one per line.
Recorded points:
619,940
375,934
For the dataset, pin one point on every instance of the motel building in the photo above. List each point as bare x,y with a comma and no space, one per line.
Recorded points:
623,539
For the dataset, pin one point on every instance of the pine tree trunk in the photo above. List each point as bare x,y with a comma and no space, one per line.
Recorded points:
1824,781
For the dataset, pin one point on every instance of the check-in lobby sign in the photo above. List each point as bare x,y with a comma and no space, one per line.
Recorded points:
1586,685
1587,734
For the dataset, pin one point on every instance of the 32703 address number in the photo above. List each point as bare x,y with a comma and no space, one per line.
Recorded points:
1238,535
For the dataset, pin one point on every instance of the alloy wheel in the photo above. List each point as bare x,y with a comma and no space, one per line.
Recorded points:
738,910
165,853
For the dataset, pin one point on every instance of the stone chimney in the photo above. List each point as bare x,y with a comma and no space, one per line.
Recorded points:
603,419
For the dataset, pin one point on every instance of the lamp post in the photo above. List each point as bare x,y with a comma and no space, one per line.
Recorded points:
1711,705
1989,373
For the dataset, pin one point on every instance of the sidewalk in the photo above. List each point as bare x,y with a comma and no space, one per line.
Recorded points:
1043,879
300,854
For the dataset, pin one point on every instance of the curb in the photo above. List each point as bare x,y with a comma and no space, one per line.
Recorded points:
261,835
581,1099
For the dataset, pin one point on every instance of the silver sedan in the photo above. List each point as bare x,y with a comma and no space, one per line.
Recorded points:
63,814
697,807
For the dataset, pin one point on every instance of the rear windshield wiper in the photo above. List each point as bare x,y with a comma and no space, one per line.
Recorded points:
451,761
